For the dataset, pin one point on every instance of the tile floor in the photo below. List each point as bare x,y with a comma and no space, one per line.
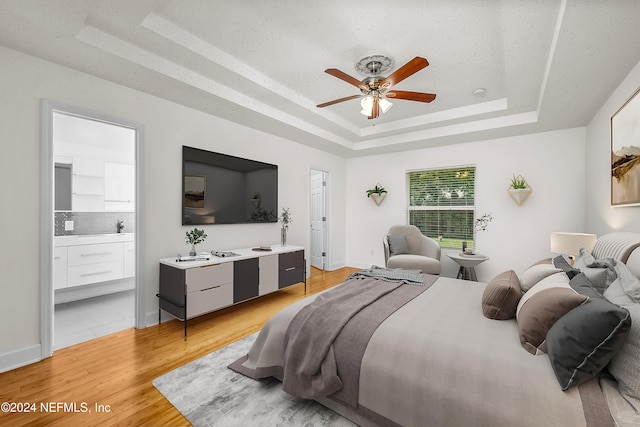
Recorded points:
79,321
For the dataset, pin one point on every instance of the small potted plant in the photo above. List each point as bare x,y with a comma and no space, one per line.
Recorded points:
377,193
193,238
519,189
483,222
284,219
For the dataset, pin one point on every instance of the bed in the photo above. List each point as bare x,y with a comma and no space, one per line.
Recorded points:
557,345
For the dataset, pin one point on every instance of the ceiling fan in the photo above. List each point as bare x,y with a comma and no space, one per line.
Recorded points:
377,89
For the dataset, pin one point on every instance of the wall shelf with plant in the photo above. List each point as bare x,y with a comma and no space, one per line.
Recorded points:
377,194
519,189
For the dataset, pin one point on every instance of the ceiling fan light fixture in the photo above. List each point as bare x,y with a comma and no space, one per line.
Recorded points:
367,105
385,104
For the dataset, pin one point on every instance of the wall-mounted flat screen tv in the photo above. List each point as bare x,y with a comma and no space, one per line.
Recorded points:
222,189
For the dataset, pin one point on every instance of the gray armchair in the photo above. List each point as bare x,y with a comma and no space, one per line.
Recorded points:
406,247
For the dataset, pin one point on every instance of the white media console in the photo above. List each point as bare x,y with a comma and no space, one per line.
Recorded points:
192,288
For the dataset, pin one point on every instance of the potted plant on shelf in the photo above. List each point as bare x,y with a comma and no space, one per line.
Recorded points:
284,219
377,193
195,237
519,189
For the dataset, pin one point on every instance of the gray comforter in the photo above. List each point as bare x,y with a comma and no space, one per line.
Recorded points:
310,359
437,361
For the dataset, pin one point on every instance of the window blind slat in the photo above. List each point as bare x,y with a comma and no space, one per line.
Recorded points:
442,204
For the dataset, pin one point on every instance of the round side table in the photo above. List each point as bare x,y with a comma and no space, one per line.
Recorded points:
467,265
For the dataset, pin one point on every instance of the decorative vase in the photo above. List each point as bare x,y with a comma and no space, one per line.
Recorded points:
378,198
283,236
519,195
193,250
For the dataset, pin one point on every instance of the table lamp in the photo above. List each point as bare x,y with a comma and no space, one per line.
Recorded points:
570,243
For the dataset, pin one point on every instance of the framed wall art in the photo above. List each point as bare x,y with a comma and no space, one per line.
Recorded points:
625,153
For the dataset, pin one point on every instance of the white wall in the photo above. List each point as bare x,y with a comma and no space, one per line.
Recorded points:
552,163
601,217
167,126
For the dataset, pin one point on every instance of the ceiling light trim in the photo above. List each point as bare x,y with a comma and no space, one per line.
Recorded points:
173,32
451,130
437,117
552,51
125,50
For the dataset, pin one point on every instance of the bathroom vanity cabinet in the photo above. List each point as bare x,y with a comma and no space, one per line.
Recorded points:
91,265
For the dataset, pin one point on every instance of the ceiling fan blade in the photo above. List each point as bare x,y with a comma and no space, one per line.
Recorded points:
411,96
335,101
347,78
411,67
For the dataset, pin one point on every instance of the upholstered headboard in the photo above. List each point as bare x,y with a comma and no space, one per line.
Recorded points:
618,246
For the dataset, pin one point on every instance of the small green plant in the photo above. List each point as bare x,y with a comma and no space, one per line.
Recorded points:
376,190
195,236
285,218
518,182
483,222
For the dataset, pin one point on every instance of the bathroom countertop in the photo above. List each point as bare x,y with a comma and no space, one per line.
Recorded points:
92,239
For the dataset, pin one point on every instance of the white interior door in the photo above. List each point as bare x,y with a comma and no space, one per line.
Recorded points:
318,219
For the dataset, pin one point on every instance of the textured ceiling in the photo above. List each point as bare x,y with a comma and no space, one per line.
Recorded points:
544,64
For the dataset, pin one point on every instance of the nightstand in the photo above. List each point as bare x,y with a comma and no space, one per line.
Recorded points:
467,265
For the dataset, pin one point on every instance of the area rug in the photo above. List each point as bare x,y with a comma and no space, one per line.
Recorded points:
207,393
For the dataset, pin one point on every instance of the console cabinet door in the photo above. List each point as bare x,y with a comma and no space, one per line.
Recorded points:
291,268
246,276
268,274
173,291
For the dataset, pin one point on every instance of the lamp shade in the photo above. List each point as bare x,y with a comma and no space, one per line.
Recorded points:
570,243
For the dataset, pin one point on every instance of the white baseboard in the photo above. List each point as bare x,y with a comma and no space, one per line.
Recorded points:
151,319
336,266
13,359
361,265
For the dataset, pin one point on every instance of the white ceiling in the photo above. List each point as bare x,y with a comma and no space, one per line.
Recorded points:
545,64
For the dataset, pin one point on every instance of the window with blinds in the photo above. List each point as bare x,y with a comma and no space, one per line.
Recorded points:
442,204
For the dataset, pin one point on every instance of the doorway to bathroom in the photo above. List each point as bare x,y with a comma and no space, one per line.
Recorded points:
92,285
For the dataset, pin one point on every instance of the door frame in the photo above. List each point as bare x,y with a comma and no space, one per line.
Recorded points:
325,202
47,231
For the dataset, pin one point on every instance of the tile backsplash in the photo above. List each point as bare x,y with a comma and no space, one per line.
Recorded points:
93,222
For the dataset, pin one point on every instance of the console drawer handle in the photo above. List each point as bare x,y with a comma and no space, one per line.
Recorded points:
290,268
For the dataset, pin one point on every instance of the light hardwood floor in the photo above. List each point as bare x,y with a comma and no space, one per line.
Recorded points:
112,375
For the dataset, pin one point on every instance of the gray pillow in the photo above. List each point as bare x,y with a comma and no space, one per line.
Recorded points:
582,342
561,262
630,283
600,272
616,293
398,245
625,365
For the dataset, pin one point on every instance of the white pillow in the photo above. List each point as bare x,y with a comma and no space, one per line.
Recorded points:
556,280
536,273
